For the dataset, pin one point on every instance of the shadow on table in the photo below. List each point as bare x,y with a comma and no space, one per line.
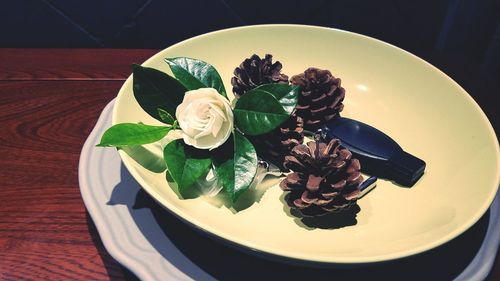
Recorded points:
113,268
224,262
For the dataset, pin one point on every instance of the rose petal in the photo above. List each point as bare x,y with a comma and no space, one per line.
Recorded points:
207,130
205,117
217,125
216,110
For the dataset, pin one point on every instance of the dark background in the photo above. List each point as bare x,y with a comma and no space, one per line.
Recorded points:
461,37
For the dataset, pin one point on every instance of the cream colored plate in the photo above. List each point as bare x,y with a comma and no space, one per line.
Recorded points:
424,110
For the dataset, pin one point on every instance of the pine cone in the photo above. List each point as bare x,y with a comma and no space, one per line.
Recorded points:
275,145
321,97
254,72
325,178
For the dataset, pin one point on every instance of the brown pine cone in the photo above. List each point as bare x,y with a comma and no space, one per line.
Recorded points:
254,72
321,97
277,144
325,178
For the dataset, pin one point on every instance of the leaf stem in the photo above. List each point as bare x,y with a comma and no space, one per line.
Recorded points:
175,125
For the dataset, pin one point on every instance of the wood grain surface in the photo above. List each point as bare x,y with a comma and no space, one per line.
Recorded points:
45,232
49,102
69,64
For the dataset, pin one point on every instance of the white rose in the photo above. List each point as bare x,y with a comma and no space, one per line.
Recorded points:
205,117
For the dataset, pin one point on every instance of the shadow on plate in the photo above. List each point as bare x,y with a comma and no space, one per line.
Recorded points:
334,220
177,242
150,161
246,200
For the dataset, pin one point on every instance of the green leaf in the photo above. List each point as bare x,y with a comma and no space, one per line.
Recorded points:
236,165
154,89
195,74
165,116
287,95
258,113
185,164
132,134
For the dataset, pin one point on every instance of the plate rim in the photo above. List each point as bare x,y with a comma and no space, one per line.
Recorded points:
344,260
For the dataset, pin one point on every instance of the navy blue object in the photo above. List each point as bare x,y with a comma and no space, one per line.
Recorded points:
379,154
367,183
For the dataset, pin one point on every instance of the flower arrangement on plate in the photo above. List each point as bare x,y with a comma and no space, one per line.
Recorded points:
223,143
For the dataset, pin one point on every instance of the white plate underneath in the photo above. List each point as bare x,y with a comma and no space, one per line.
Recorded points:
129,234
134,238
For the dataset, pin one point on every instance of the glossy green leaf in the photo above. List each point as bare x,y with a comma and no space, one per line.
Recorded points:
287,95
185,164
195,74
132,134
165,117
154,89
258,113
236,165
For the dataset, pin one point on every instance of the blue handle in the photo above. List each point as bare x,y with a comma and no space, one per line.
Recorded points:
378,153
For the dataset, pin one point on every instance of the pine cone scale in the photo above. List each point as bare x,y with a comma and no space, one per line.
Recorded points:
354,166
339,185
313,183
292,182
352,195
330,195
355,178
318,111
306,197
321,98
321,202
292,163
301,204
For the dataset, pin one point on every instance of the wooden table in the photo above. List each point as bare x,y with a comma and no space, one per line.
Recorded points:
49,102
